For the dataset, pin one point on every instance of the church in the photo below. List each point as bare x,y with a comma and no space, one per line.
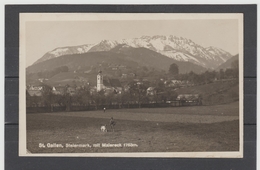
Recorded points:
108,85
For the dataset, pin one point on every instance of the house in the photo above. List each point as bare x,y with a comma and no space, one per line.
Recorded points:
127,88
114,68
175,83
117,67
190,99
59,90
132,74
71,90
88,71
139,83
42,80
35,90
124,75
112,84
122,67
151,91
93,90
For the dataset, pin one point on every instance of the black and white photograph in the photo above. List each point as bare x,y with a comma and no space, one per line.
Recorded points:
131,85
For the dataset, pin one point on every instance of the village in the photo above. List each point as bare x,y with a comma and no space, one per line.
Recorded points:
135,92
126,90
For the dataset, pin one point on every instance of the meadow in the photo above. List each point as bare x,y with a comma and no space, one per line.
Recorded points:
172,129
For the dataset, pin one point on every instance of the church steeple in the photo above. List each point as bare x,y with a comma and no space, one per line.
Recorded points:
99,81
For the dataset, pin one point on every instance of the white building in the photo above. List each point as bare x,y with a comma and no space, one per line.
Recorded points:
99,81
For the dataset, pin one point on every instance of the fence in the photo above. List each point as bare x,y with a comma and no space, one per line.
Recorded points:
101,107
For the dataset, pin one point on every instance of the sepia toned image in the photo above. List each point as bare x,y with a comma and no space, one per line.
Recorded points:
131,85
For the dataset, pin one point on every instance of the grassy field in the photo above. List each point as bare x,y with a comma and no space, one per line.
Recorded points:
176,129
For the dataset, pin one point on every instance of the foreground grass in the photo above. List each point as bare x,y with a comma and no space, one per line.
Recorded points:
150,136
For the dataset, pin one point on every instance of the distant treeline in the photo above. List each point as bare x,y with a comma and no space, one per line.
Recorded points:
208,76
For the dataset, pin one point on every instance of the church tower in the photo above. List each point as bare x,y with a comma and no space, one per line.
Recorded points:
99,81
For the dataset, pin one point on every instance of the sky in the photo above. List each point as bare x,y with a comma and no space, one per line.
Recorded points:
44,36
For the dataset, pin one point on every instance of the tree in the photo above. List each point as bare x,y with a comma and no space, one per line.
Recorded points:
160,85
82,96
191,77
221,74
169,94
229,73
174,69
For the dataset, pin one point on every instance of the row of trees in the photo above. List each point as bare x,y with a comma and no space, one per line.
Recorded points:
206,77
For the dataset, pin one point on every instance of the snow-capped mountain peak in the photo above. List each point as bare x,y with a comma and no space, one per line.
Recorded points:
177,48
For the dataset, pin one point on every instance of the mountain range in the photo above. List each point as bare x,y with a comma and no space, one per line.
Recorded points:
178,49
132,58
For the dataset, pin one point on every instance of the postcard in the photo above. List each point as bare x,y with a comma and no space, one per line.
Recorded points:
131,85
